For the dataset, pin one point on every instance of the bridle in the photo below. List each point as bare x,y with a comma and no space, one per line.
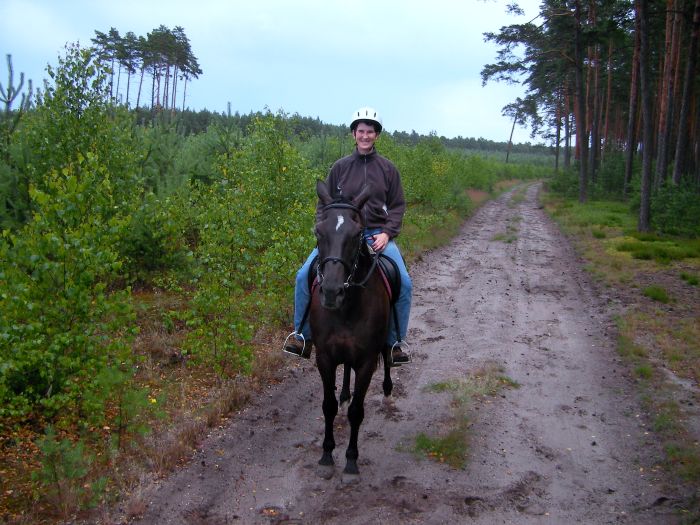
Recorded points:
350,269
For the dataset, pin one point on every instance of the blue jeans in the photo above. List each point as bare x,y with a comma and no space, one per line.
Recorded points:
403,304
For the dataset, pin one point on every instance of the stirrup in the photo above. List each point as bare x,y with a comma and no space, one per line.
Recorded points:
399,344
303,352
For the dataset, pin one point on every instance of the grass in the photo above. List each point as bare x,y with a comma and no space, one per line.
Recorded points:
659,250
449,449
656,335
645,371
511,230
627,348
452,445
518,197
690,278
686,461
507,238
657,293
604,216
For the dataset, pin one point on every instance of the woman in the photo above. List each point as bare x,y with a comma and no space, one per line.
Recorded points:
383,216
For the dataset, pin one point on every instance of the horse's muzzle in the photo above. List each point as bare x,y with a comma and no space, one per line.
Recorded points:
332,296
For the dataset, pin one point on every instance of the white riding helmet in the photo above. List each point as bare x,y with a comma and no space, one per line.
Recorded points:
366,113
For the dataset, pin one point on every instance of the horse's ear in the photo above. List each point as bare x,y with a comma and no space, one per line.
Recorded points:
323,193
360,200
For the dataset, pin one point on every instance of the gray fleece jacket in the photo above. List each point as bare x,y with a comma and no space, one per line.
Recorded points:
386,206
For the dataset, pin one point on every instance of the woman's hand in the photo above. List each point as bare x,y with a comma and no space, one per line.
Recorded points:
380,241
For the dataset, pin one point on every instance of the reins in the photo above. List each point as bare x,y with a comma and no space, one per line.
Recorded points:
351,270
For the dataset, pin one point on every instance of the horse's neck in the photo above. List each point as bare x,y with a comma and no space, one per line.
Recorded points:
365,265
365,262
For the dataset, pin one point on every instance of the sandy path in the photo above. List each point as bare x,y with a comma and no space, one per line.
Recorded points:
567,446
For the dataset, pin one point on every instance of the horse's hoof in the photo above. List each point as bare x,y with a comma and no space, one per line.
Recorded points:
351,467
350,479
326,460
325,471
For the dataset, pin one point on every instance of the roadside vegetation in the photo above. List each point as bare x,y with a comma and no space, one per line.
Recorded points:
651,280
146,275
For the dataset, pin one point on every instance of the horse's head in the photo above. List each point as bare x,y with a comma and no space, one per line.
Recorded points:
339,236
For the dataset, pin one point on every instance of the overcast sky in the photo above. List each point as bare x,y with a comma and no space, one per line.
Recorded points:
417,62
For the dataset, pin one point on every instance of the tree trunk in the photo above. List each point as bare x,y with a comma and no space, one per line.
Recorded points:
128,85
567,127
642,11
581,131
666,95
510,139
174,89
593,101
111,80
594,123
119,77
632,117
166,87
557,141
696,146
138,95
679,167
608,101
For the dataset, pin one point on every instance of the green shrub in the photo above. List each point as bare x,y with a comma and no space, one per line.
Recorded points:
64,469
154,240
62,320
675,210
565,183
254,228
609,180
59,324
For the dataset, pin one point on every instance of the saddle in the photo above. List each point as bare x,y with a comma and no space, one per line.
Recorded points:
388,269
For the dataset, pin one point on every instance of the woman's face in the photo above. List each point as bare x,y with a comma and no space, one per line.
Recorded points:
365,136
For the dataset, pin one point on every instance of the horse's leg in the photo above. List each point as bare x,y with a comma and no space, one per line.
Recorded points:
345,391
356,413
387,385
330,409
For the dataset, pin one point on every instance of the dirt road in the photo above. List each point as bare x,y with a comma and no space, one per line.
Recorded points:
567,446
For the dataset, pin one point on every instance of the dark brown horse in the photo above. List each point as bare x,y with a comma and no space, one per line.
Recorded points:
349,315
